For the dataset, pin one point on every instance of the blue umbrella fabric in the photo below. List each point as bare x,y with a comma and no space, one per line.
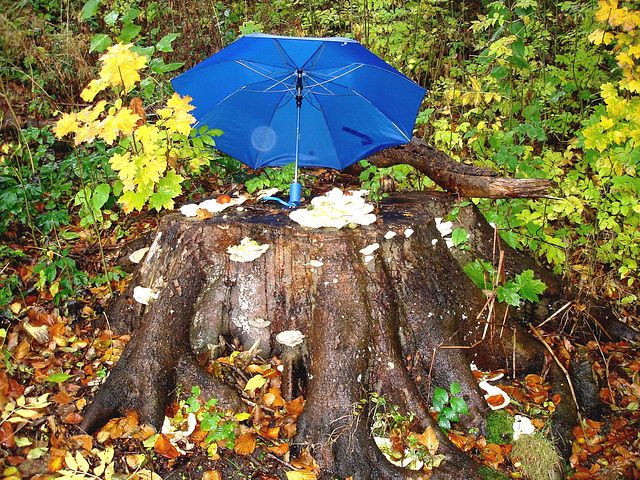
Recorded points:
319,102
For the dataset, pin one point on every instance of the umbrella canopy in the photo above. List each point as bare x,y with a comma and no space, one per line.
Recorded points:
321,102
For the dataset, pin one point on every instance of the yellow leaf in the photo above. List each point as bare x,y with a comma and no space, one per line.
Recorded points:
83,465
70,461
67,124
301,475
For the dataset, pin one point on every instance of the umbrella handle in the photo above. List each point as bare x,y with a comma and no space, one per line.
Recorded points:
294,196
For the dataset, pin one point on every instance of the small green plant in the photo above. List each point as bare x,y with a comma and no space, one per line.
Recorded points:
448,406
212,420
273,177
522,287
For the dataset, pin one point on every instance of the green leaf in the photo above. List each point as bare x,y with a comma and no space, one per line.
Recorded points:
101,195
129,32
530,288
89,9
444,422
257,381
508,293
100,42
459,235
450,414
58,377
131,15
455,388
164,45
111,18
440,399
151,441
459,405
477,271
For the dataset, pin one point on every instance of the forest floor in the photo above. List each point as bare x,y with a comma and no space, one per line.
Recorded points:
53,361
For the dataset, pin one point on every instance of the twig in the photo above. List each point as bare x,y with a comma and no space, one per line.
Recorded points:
556,313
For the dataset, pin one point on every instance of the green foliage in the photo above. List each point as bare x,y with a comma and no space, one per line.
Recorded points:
212,420
273,177
523,287
448,406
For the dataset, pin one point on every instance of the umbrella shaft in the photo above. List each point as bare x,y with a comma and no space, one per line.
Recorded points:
297,144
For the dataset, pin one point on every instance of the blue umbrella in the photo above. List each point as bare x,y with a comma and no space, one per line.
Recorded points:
318,102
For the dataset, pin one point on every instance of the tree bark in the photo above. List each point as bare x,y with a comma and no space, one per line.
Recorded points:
399,324
456,177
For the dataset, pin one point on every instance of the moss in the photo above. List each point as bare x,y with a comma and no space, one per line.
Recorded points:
491,474
537,457
499,428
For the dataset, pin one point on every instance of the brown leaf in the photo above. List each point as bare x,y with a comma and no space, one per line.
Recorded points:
73,418
165,448
270,432
244,444
301,475
136,106
83,441
211,475
62,398
21,350
295,406
6,435
279,449
429,439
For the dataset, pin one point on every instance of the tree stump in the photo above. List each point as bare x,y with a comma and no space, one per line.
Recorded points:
398,322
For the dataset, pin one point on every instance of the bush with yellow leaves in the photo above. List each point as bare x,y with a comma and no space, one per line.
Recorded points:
150,157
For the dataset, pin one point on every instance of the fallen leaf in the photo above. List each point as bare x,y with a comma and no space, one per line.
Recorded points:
211,475
295,406
301,475
83,441
165,448
62,398
429,439
279,449
203,214
6,435
73,418
244,444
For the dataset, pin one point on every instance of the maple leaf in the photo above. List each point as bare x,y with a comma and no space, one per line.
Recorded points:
120,66
91,90
180,104
119,162
126,120
530,288
67,124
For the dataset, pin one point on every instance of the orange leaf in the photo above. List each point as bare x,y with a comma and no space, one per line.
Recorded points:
495,400
429,439
295,406
55,463
211,475
203,214
245,444
556,399
270,432
83,441
21,350
62,398
73,418
165,448
279,449
253,368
